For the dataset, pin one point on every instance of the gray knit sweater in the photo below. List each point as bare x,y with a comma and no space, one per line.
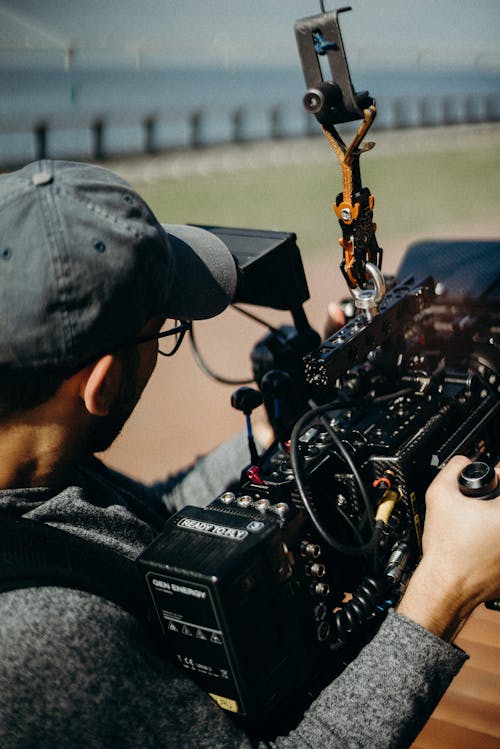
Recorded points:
77,671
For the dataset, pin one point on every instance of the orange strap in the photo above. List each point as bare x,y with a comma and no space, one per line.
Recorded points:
347,212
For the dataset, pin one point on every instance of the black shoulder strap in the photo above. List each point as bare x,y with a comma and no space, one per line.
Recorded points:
36,554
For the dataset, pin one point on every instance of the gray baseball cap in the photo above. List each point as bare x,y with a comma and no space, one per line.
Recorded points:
84,264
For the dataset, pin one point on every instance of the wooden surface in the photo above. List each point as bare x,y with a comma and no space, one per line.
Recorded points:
468,716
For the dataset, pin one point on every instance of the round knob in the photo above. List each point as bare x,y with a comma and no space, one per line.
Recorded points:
479,480
246,399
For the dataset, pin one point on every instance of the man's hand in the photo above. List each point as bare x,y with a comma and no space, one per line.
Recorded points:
460,567
335,319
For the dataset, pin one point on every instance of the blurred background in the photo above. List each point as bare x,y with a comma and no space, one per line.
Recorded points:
106,78
198,105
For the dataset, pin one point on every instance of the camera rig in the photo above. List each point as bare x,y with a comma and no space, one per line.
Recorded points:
269,591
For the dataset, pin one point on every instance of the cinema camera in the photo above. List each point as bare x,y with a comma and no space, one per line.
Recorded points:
276,585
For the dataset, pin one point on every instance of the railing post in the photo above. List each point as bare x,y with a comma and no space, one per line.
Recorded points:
424,110
449,117
40,133
469,109
98,140
237,120
150,134
275,115
491,108
195,124
398,114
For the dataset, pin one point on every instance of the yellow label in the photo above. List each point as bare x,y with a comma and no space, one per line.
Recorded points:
225,703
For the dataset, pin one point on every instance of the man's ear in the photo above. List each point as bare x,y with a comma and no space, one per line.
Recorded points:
99,390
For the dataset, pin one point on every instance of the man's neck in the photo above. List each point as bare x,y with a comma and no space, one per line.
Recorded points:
40,448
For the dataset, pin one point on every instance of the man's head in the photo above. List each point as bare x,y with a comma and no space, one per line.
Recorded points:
84,265
85,268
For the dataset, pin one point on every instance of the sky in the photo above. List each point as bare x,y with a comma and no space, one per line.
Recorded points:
211,33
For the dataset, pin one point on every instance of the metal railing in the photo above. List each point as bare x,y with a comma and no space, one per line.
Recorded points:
102,136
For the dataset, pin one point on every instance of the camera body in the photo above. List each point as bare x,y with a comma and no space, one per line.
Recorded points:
273,588
268,592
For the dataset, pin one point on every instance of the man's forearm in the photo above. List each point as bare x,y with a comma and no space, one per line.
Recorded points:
433,602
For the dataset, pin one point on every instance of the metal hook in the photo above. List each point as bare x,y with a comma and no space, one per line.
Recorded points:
369,299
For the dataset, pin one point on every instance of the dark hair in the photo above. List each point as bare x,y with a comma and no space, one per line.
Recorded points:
21,390
24,389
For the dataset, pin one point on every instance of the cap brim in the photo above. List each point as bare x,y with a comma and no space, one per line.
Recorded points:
204,273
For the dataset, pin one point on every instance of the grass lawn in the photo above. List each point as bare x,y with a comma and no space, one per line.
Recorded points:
419,194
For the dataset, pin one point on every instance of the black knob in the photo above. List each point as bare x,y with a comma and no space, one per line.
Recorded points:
246,399
327,94
479,480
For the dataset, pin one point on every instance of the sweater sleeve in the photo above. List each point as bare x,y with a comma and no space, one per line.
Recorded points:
383,699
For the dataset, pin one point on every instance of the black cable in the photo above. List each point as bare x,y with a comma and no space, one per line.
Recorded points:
297,470
259,320
210,372
352,465
391,396
353,615
347,520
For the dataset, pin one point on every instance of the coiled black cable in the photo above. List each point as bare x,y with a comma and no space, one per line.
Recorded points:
353,615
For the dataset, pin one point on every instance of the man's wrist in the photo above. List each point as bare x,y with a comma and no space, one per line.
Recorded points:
435,602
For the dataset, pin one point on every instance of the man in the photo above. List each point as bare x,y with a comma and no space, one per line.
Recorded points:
88,277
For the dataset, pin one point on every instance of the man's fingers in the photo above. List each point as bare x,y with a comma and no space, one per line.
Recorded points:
447,478
336,318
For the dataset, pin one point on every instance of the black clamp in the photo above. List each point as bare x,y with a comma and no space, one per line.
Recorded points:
334,101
